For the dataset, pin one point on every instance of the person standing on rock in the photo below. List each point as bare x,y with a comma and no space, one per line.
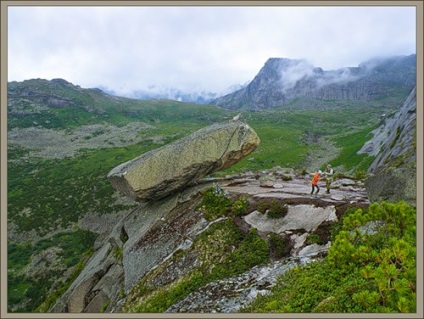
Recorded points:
328,177
315,180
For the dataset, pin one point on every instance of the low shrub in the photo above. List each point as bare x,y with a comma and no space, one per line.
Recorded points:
360,174
313,239
262,207
277,245
239,207
276,210
215,204
286,178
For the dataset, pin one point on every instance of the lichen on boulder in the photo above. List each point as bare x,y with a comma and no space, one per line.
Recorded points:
170,168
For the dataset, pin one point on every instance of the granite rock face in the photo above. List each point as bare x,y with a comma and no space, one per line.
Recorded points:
141,241
393,185
173,167
393,171
395,138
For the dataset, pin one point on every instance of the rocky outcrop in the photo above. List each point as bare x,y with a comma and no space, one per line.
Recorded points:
163,171
229,295
282,80
298,217
306,216
141,241
393,171
395,140
144,244
167,219
101,279
393,185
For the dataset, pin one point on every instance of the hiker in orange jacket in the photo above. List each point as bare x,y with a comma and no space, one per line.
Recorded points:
315,180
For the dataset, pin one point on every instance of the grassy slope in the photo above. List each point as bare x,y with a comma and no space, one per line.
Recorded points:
58,192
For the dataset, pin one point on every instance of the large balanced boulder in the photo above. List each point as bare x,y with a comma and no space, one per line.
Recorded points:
165,170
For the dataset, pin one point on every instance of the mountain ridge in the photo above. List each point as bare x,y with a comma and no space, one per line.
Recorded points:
281,80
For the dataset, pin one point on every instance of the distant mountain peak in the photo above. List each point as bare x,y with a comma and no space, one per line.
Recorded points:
62,82
281,80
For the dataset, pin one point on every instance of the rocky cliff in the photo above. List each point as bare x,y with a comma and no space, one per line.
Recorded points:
394,142
174,241
167,221
281,80
393,171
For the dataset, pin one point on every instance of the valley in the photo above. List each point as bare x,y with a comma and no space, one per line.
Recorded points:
63,140
67,169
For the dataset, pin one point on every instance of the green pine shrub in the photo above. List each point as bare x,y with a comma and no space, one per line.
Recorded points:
370,268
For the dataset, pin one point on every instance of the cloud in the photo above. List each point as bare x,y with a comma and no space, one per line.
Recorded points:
297,70
195,48
293,71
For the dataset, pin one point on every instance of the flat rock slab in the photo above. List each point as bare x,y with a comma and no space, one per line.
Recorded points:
297,188
306,217
165,170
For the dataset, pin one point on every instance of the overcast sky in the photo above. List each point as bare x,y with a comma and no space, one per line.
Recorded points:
195,48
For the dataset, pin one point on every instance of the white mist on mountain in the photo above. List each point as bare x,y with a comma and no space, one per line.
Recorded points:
154,92
294,72
302,70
